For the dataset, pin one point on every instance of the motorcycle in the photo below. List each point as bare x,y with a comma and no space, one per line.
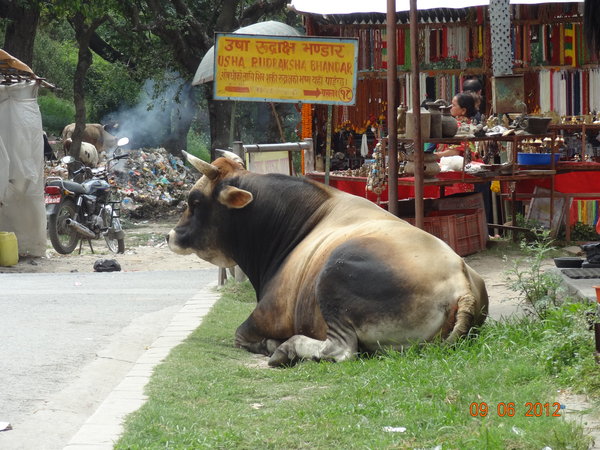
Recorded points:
85,207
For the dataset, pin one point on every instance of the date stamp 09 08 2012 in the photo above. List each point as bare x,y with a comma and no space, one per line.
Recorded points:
510,409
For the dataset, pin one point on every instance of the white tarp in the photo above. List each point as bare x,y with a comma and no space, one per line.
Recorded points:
22,207
380,6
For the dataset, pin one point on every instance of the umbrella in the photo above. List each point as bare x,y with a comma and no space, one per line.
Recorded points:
205,70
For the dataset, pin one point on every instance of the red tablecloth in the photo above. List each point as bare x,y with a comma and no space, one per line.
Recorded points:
357,186
567,183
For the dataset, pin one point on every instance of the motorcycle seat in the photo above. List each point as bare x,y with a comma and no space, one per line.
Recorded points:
70,185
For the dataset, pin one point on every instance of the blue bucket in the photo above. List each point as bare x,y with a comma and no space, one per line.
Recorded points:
536,159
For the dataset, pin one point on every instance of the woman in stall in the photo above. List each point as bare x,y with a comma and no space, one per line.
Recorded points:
463,110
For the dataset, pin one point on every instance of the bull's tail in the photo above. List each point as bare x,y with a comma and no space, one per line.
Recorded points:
464,318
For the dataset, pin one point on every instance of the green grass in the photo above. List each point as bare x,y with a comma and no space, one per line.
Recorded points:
209,394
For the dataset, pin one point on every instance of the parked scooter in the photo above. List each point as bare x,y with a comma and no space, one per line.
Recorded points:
86,207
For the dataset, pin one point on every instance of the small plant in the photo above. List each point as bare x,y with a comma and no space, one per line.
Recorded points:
567,340
538,289
583,232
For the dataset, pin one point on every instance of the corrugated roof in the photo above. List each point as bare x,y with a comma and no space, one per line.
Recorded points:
380,6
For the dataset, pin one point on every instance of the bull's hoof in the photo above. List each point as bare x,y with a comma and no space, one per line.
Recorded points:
280,359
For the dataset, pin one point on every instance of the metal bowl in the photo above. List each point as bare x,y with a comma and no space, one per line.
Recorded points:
538,125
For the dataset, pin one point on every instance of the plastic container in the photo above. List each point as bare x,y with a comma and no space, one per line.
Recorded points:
9,249
536,159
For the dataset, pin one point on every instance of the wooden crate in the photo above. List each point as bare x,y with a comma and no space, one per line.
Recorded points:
462,230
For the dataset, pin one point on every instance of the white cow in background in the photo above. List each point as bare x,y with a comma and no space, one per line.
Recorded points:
87,153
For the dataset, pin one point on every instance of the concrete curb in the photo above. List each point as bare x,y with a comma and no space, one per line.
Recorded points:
104,427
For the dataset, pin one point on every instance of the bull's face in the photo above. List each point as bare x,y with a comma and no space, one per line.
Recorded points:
198,229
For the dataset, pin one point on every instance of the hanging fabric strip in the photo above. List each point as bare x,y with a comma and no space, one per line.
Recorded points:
444,42
429,46
546,100
568,43
423,85
407,55
544,43
450,36
563,90
409,101
551,84
584,92
400,46
384,52
526,45
561,45
592,79
576,46
555,46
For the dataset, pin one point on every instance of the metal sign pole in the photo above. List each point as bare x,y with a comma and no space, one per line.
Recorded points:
328,145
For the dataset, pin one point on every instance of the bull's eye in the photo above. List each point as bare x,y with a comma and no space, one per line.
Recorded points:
195,200
191,205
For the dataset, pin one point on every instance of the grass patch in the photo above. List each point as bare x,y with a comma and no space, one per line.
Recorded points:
209,394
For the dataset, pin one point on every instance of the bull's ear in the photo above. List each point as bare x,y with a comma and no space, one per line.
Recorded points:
233,197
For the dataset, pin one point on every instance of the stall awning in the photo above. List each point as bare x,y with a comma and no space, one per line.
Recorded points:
12,67
380,6
205,70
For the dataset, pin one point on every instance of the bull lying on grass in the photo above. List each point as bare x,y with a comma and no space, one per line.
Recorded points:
334,274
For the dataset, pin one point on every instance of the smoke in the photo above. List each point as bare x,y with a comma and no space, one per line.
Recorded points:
161,104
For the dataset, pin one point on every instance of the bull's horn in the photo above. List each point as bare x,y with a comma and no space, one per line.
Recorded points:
203,167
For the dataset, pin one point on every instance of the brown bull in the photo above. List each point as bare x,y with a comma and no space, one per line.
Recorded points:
94,133
334,274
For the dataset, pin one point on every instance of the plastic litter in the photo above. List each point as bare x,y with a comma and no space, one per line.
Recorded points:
107,265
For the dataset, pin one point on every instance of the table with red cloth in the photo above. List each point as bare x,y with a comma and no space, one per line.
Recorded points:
452,182
571,178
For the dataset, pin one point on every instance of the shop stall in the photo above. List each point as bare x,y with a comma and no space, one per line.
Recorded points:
556,78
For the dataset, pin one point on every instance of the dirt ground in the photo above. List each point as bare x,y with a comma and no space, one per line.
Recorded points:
145,249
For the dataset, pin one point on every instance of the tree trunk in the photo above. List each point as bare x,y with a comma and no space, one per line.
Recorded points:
84,61
20,31
182,115
83,34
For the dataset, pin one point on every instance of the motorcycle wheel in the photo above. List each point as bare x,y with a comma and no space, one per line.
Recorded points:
114,245
64,239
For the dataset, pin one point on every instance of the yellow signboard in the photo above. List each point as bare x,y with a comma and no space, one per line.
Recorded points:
285,69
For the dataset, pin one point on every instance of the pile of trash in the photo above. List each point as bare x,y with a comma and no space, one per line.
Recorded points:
152,182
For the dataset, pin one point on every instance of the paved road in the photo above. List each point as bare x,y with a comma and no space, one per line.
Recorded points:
66,339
